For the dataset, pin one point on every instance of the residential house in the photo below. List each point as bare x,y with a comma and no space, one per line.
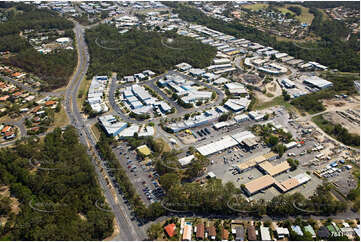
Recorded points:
225,234
251,233
323,233
310,230
265,233
282,232
200,231
187,232
170,230
212,232
239,233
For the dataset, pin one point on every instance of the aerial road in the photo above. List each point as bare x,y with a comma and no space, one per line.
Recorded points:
128,230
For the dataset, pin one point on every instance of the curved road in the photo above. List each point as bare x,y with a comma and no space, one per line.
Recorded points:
152,84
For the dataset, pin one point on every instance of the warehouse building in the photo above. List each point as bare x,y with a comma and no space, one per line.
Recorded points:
293,182
225,143
236,88
219,67
237,105
111,125
256,115
95,94
221,80
196,72
241,118
204,118
272,170
259,184
315,81
221,61
288,83
142,131
186,160
183,66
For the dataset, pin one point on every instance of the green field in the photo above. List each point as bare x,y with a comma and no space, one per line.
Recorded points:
305,17
277,101
256,6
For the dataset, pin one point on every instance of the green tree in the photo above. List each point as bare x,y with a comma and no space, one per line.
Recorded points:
168,180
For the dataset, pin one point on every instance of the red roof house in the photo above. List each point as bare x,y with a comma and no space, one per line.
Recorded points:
170,229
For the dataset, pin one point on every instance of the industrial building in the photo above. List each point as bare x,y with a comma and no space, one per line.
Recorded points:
186,160
141,102
185,89
272,170
111,125
221,61
287,83
95,94
259,184
267,181
221,80
236,88
225,143
196,72
253,162
237,105
241,118
183,66
256,115
204,118
293,182
141,130
315,81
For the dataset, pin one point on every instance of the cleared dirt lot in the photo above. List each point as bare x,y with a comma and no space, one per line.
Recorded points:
272,90
345,112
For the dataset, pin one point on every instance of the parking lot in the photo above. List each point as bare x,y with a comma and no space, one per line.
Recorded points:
140,172
223,162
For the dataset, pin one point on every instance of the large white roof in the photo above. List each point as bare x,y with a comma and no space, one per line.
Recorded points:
222,144
225,143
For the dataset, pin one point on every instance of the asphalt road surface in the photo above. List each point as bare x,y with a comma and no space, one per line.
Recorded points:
129,230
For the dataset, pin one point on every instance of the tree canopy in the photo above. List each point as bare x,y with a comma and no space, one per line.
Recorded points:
139,50
55,175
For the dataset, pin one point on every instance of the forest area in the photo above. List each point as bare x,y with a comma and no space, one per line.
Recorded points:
331,50
55,185
54,68
138,50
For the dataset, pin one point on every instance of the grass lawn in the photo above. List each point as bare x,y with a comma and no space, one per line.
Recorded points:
256,6
277,101
284,10
305,17
96,131
83,90
60,118
166,147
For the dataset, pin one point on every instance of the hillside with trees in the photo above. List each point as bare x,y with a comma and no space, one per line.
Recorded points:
55,185
54,68
138,50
